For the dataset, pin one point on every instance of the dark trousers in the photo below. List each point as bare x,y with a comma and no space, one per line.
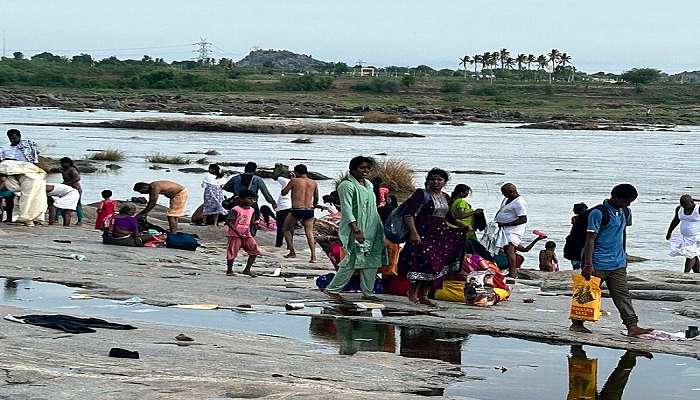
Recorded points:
616,281
279,218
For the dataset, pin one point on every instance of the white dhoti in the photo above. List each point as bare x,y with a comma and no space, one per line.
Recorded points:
64,196
29,181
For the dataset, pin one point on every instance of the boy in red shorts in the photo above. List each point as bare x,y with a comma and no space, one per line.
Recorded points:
239,235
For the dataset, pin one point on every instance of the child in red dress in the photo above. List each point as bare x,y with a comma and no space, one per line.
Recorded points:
239,236
105,209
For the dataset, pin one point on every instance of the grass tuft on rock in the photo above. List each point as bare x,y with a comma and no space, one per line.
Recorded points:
158,158
396,174
107,155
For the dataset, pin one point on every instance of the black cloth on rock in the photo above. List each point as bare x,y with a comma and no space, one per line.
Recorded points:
70,324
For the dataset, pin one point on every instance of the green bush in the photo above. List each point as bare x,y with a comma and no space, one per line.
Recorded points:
378,85
305,83
452,87
485,90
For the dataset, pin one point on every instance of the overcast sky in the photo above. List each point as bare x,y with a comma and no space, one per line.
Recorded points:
609,35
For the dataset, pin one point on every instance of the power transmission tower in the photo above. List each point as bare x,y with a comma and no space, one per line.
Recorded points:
203,51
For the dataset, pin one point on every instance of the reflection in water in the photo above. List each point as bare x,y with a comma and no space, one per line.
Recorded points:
10,289
583,375
354,336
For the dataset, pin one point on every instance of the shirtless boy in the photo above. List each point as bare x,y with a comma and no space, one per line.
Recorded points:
304,200
173,191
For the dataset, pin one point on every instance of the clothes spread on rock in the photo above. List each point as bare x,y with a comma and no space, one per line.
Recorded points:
67,323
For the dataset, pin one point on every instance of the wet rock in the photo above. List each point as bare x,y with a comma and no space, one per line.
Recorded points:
113,166
475,172
193,170
183,338
302,141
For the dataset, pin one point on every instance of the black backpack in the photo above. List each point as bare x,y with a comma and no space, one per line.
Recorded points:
577,237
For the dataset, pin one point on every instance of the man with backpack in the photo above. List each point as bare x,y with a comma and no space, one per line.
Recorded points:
604,252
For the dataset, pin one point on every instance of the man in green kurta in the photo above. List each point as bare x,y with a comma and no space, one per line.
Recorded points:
361,231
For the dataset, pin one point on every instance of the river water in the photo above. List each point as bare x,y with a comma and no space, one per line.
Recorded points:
552,169
502,368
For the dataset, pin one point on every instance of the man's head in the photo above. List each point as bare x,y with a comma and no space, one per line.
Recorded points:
623,195
142,187
300,170
687,202
550,245
250,168
15,136
66,162
360,167
509,191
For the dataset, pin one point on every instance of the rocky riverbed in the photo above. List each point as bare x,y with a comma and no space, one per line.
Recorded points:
234,364
233,124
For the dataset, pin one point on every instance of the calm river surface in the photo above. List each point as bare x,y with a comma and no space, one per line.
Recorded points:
552,169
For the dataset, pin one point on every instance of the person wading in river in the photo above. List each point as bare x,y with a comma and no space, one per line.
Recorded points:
173,191
604,254
304,200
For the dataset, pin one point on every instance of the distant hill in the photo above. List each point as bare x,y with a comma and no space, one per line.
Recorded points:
687,77
281,59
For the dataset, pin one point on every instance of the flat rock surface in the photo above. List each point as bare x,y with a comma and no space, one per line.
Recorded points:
37,361
277,126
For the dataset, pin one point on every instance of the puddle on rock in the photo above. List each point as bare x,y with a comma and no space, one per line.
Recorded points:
496,368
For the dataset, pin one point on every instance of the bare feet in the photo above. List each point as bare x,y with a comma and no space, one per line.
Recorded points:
427,302
312,260
579,328
229,272
636,331
371,298
334,296
291,255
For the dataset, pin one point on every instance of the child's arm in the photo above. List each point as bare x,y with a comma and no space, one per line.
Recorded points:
99,208
231,219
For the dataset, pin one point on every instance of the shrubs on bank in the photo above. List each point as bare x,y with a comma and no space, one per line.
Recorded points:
378,85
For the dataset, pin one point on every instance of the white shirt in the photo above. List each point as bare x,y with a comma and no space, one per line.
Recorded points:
10,152
509,213
283,202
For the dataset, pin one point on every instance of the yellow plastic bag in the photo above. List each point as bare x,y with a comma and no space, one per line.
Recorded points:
585,300
583,373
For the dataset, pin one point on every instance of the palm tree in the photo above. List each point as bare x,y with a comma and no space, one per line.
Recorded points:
503,56
510,63
495,56
464,61
521,59
542,62
485,60
476,60
530,59
564,59
553,56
